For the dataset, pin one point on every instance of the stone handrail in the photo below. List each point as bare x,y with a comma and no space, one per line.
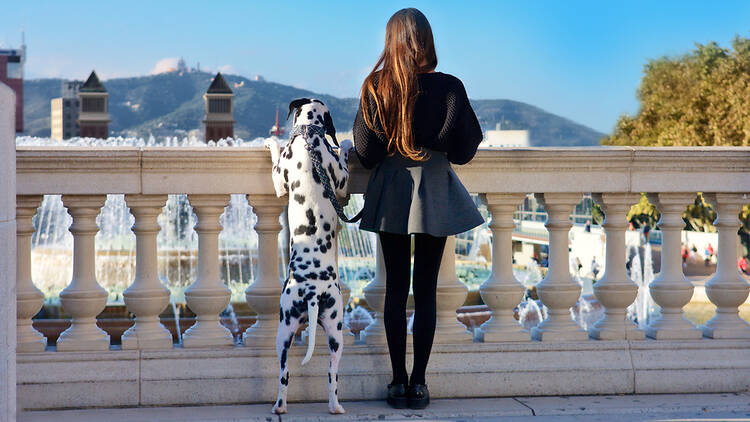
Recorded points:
154,170
615,176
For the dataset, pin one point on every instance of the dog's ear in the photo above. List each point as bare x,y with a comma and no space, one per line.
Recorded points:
299,102
330,129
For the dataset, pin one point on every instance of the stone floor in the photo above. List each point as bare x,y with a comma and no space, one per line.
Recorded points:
645,407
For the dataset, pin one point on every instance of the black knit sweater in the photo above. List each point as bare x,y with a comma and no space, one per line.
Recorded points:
443,121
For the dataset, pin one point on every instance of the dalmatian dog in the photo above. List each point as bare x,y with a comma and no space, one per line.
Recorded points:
311,293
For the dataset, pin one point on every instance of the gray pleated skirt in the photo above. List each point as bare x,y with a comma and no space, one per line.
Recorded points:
405,196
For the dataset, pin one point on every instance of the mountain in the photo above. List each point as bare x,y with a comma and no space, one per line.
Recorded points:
168,103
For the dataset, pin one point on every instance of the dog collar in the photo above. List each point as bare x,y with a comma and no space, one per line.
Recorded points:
306,131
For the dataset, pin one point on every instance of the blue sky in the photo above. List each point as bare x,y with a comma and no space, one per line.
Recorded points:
579,59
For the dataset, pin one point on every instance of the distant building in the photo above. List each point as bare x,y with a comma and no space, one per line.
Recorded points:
64,112
11,74
219,119
505,138
93,118
181,66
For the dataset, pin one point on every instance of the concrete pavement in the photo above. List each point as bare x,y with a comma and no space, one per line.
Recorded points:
610,408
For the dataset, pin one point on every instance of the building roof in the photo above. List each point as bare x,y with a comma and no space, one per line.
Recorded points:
219,86
92,84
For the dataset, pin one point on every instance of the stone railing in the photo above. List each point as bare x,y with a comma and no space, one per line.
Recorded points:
555,357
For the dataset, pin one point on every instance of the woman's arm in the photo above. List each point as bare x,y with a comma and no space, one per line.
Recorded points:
369,147
466,133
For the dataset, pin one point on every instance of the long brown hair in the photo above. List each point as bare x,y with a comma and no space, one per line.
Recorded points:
392,84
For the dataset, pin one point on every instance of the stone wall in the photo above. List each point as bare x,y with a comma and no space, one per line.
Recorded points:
8,257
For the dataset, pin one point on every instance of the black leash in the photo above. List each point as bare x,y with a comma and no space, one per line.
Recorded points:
315,156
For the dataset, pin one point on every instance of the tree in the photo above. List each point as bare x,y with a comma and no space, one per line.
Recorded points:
701,99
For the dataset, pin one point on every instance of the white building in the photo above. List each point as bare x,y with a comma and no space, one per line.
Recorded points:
505,138
64,112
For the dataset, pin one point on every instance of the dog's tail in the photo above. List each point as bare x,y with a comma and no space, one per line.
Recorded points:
312,324
273,145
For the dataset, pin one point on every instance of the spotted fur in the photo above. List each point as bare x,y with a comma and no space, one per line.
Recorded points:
312,291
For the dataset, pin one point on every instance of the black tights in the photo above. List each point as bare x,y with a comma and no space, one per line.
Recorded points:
428,251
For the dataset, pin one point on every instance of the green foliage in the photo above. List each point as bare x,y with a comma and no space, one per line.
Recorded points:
699,99
700,215
643,213
597,215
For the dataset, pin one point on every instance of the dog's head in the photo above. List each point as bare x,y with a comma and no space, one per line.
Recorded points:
312,112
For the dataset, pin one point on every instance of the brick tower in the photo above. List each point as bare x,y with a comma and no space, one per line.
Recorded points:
93,117
11,73
219,119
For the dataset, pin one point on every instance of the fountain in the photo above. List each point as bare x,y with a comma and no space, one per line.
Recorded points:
177,249
644,309
52,243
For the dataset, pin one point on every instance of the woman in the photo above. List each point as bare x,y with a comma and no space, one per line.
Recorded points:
411,124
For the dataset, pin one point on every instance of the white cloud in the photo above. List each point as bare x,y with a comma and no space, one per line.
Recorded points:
168,64
227,68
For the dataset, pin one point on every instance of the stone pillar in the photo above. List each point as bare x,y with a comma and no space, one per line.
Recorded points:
84,298
615,290
146,297
451,294
727,289
558,291
501,291
671,290
375,296
7,258
207,297
263,295
345,292
30,299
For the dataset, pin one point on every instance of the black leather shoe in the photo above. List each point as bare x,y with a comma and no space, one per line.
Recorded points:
418,396
397,396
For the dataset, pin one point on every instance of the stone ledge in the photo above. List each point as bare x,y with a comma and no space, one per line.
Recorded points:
243,375
557,408
160,170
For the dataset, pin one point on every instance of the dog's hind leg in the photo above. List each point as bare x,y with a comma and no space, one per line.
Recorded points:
284,340
333,324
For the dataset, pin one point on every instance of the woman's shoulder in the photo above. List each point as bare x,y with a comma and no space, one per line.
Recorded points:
445,80
442,77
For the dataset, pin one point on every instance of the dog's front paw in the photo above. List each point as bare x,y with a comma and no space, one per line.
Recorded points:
336,409
347,146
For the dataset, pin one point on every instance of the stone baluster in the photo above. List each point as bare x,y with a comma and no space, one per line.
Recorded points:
29,298
727,289
263,294
375,296
208,296
615,290
451,294
558,291
671,290
84,298
345,291
501,291
146,297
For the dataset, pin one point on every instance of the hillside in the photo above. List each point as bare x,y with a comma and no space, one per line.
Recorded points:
165,103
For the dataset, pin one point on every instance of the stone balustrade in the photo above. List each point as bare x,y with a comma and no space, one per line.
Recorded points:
613,356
